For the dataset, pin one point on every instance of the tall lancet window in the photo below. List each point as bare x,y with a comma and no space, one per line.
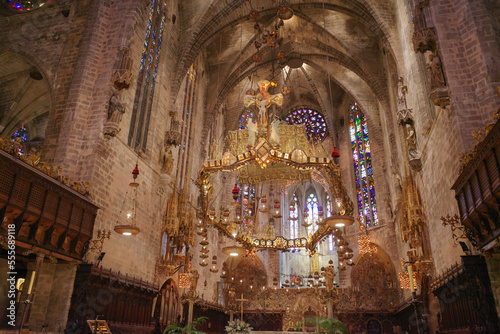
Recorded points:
329,208
143,101
361,154
187,122
294,218
312,211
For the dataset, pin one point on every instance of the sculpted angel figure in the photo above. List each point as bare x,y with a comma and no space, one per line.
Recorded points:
252,132
329,276
274,138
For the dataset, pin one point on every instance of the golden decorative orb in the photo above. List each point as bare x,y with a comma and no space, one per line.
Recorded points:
256,57
286,90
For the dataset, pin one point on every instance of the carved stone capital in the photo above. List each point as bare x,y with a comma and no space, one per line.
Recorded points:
122,78
172,138
405,116
441,97
111,129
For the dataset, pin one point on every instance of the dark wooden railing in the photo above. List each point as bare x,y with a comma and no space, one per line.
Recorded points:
46,213
125,302
477,190
465,297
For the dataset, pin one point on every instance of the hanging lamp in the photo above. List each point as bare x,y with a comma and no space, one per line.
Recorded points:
130,228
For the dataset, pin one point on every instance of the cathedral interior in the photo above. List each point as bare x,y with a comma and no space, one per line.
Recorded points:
271,161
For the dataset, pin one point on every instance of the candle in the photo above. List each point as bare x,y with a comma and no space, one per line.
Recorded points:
31,282
412,283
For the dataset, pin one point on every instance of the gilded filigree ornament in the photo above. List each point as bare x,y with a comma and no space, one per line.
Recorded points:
479,135
457,229
54,171
414,226
173,135
123,75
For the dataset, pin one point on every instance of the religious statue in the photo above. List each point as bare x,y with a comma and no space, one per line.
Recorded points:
194,280
252,132
167,161
402,90
435,70
115,109
404,113
411,142
329,276
263,100
274,138
115,113
295,279
231,297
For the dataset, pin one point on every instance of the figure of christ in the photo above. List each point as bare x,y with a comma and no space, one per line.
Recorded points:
263,100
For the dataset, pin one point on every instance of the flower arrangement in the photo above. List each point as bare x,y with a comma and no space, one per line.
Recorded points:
238,326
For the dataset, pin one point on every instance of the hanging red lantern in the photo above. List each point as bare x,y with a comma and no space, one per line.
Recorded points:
320,211
306,212
335,153
135,172
235,192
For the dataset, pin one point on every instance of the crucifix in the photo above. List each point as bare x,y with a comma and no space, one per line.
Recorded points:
242,300
263,100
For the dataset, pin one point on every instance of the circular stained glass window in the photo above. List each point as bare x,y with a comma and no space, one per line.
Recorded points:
22,6
314,121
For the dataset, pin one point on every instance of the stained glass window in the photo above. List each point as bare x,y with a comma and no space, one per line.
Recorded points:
312,210
22,133
314,121
361,154
22,6
148,70
331,243
244,118
294,218
247,195
187,122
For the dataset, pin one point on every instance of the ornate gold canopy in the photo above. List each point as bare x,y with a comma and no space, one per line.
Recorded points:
268,152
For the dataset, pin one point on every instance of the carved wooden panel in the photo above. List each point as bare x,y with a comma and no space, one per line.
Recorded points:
46,212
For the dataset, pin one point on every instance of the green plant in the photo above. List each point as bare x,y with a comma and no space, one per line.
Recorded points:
188,329
238,326
327,325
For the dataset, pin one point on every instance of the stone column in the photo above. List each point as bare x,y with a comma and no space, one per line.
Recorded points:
162,308
171,317
329,309
190,311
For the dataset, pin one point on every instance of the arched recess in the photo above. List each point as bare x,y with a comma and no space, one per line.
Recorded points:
167,304
25,98
374,278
